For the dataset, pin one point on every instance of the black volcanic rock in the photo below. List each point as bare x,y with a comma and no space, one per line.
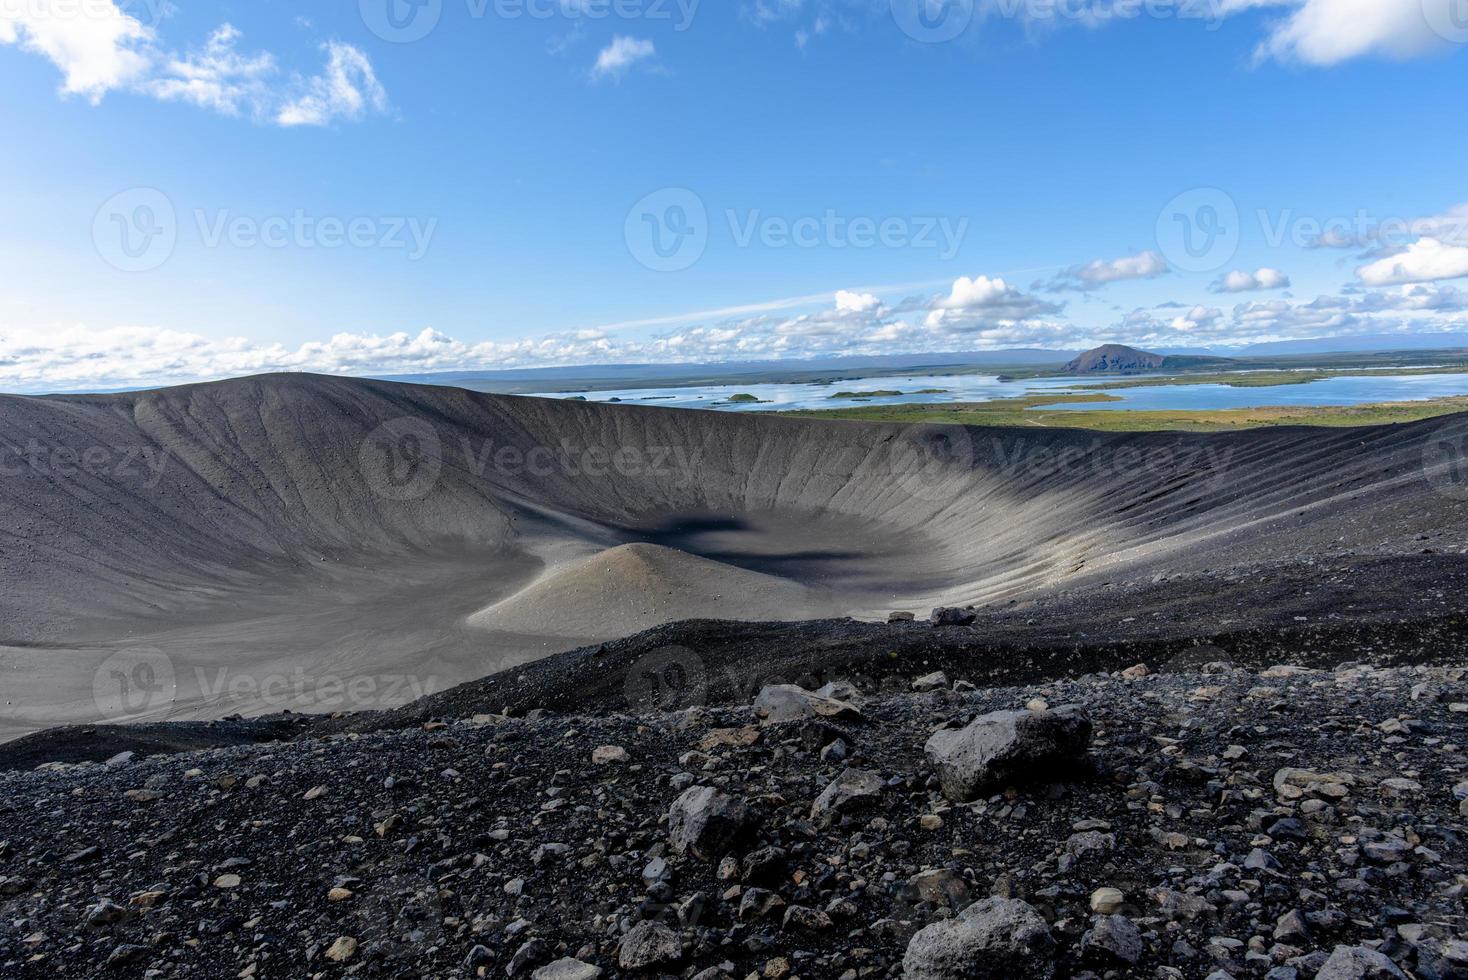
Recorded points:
1113,358
515,855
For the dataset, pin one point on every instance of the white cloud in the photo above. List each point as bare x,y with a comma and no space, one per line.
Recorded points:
96,45
849,302
1426,260
981,303
347,89
977,292
621,54
1416,298
1240,281
100,49
1327,32
1094,275
216,77
1199,318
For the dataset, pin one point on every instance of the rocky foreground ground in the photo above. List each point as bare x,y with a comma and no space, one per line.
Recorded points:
1279,823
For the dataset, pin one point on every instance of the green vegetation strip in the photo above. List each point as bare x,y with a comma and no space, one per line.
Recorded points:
1029,411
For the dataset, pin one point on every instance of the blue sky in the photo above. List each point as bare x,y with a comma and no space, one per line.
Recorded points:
203,190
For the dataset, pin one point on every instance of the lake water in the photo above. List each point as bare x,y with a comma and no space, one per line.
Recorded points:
785,397
982,388
1330,391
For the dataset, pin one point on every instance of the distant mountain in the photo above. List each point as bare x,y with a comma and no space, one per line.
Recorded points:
1114,358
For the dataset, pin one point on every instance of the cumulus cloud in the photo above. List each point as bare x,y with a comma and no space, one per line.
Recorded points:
981,303
1327,32
849,302
975,314
95,44
1426,260
622,54
1101,272
1240,281
99,48
1416,298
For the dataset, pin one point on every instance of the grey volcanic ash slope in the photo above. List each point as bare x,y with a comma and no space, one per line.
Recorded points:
355,528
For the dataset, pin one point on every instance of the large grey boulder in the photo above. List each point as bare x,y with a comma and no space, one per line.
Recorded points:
706,823
996,939
850,792
779,703
1008,747
946,616
649,946
1358,963
567,968
1113,941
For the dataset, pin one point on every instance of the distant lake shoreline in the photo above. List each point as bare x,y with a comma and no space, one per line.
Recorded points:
946,389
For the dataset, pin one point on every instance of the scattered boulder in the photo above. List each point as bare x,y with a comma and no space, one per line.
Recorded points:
342,950
996,939
778,703
1107,901
1359,963
940,887
1295,784
567,969
1008,747
946,616
705,823
607,754
649,946
1113,941
936,681
849,792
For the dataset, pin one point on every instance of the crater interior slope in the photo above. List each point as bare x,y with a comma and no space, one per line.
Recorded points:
318,543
